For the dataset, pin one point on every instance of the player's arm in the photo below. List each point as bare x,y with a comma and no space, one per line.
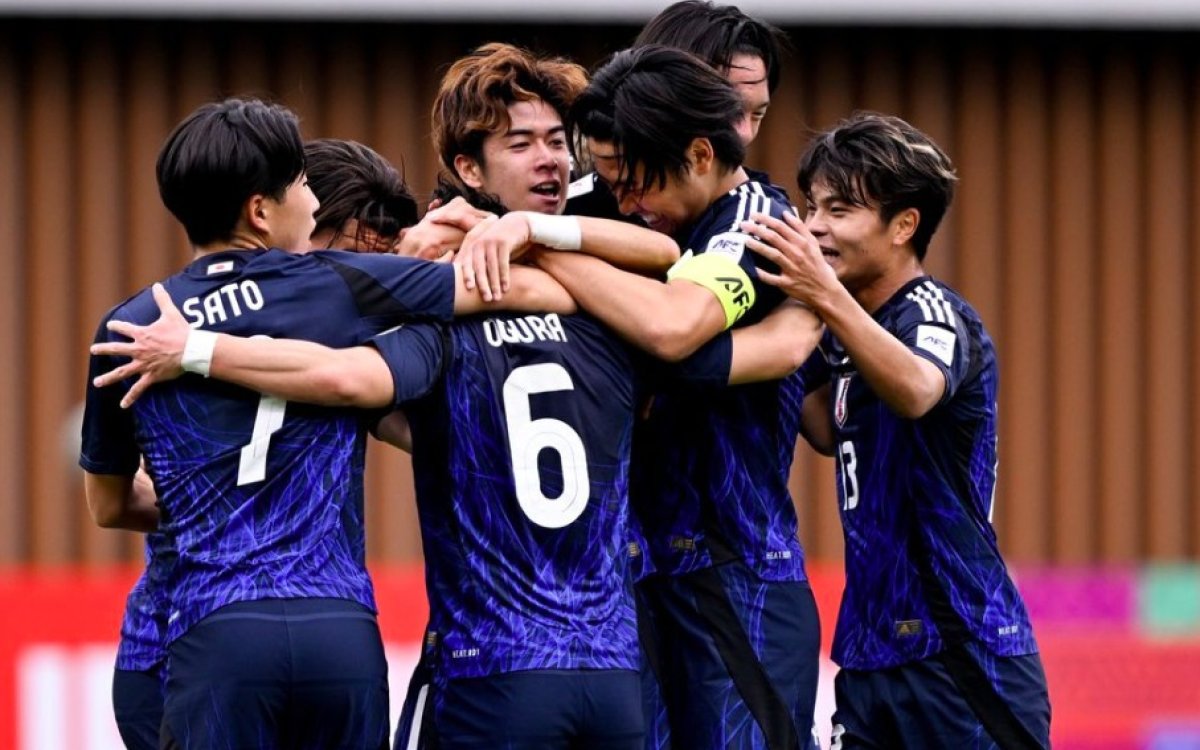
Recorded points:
669,320
776,346
394,430
815,425
909,384
486,250
530,290
121,502
290,369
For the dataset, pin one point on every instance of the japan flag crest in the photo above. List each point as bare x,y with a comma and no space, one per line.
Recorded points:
840,389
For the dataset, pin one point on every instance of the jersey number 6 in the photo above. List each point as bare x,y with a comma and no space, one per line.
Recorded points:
528,437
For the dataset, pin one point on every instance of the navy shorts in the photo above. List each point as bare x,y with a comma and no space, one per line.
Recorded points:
279,673
138,705
414,730
571,709
962,698
736,658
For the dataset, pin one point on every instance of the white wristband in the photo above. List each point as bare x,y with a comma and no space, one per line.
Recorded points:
198,351
558,232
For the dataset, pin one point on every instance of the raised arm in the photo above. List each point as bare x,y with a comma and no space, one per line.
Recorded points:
669,320
486,250
909,384
776,346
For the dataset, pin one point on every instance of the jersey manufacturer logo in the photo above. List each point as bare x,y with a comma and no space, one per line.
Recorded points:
732,244
841,388
909,628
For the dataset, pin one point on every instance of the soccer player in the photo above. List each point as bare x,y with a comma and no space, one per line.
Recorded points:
747,51
935,645
736,633
271,630
365,205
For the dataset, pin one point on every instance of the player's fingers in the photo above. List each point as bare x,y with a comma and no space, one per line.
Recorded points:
768,251
463,260
772,279
123,328
112,348
136,391
115,375
482,277
497,262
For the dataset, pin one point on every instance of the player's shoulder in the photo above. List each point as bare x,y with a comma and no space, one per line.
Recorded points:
930,300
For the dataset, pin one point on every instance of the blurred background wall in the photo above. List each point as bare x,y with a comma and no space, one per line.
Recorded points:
1076,233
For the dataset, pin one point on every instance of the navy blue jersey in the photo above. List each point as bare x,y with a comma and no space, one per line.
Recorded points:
711,468
144,626
261,498
521,458
916,496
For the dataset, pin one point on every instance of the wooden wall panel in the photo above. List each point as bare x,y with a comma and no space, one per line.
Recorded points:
1074,233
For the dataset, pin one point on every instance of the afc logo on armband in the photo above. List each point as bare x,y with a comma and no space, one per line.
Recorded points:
739,295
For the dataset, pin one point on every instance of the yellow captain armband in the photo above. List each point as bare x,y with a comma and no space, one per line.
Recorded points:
720,275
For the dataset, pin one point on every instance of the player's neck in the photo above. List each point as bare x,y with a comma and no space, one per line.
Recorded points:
876,294
729,181
238,241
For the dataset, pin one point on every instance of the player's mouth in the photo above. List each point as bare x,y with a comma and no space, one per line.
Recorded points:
548,191
655,222
830,254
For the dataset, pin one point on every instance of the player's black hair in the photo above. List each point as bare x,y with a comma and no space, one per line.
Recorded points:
876,160
221,155
650,103
352,181
715,33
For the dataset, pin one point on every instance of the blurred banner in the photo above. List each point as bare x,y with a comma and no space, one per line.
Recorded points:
1121,648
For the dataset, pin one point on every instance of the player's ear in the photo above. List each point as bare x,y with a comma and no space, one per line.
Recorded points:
256,212
904,225
469,171
700,155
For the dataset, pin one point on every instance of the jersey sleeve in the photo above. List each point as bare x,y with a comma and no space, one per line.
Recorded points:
395,287
931,328
416,355
708,366
108,440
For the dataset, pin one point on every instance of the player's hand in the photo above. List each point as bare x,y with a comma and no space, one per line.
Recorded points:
803,273
156,350
486,251
441,230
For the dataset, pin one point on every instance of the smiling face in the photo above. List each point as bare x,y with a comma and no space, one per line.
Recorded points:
527,165
866,253
748,74
669,208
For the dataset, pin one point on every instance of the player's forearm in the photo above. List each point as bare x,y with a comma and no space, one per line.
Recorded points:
670,321
304,371
776,346
534,290
910,385
628,246
120,502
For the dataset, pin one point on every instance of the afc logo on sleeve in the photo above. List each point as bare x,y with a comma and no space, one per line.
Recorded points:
731,244
937,341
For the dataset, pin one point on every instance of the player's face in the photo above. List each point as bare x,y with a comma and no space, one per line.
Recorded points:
854,239
748,74
292,220
667,209
527,167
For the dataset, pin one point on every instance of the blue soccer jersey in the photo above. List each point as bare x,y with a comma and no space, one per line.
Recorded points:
916,496
711,468
261,498
143,641
521,459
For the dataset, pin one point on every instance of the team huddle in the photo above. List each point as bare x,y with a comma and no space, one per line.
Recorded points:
601,381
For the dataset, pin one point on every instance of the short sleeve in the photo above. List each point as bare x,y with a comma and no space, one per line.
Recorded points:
395,287
416,356
109,444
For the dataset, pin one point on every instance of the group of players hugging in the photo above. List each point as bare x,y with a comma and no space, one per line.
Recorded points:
601,383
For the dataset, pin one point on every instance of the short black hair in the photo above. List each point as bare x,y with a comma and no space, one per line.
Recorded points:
221,155
715,33
879,160
352,181
651,102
